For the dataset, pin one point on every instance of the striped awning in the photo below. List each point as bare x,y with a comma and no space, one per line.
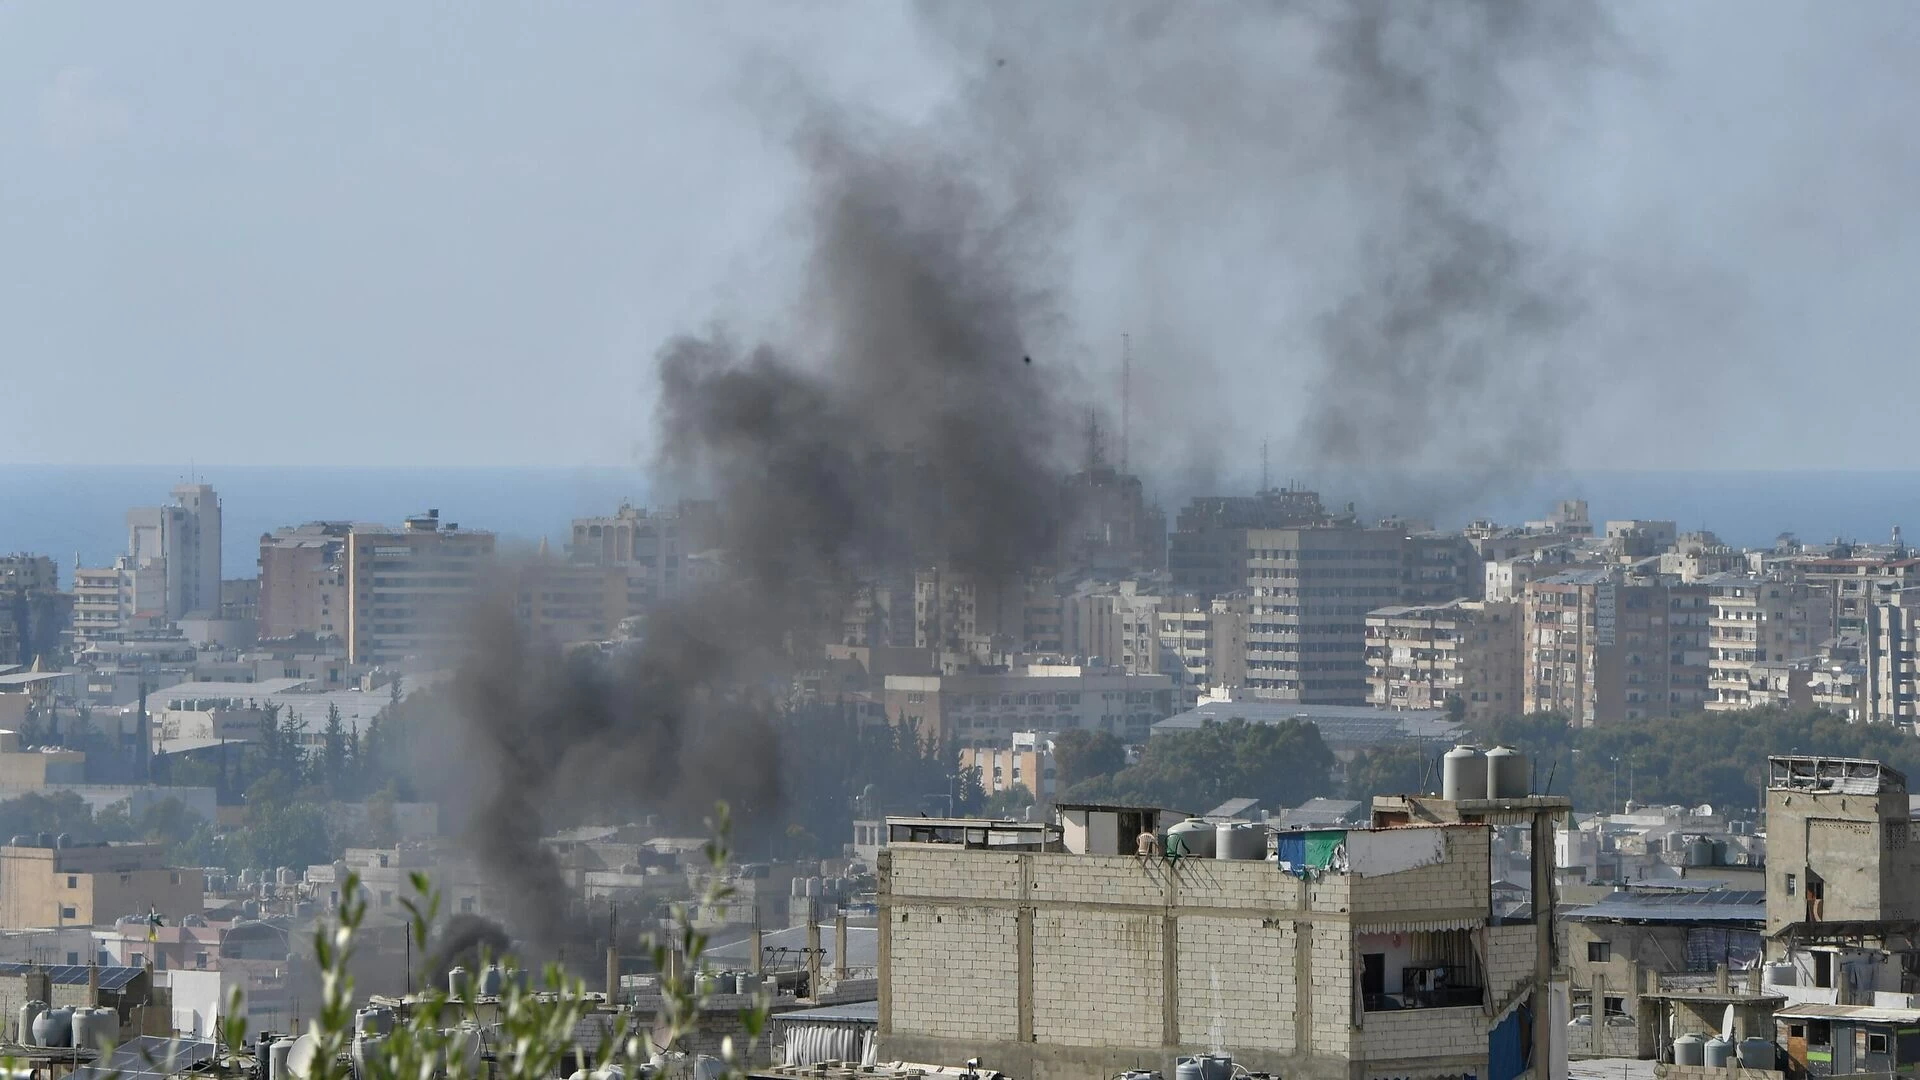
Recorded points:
1414,925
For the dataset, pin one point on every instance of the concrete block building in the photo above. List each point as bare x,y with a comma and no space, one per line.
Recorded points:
1359,953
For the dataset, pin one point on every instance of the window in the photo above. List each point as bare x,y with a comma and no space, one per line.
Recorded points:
1616,1006
73,959
200,960
466,905
1793,884
1599,952
1876,1042
1823,969
73,881
67,912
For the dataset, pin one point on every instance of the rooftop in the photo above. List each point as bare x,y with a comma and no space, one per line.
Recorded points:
1844,776
1342,726
1672,906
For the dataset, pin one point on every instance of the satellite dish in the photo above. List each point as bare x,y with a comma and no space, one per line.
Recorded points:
301,1054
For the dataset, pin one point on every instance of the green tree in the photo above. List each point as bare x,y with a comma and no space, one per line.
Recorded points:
1011,803
333,754
170,822
1397,768
1080,755
1280,764
287,834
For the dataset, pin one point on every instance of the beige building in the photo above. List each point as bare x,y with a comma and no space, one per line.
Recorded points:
1858,583
650,548
93,886
1419,657
1600,646
182,540
411,590
1114,622
1891,659
1760,620
987,709
1308,591
32,770
28,573
1026,761
569,602
1202,645
303,580
1371,952
111,600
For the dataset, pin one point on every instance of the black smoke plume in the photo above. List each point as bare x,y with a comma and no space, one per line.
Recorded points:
906,419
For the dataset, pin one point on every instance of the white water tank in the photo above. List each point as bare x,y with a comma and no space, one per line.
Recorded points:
1463,774
29,1012
1507,774
277,1053
1196,837
1689,1049
1718,1052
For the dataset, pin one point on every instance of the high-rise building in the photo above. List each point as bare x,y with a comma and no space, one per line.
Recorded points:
184,537
111,600
303,580
1601,646
1892,692
1760,620
411,590
1419,657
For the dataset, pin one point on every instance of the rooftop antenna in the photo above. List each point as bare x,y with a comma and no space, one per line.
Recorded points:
1265,472
1126,395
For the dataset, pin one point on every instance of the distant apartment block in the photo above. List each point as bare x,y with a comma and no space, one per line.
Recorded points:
1754,621
1420,657
1601,646
651,548
1024,761
42,884
1114,622
184,538
1893,659
109,601
303,581
1202,645
988,709
1858,583
569,602
412,590
23,573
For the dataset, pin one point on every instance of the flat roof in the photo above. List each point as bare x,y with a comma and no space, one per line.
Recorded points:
1871,1014
1340,725
27,678
1724,905
257,690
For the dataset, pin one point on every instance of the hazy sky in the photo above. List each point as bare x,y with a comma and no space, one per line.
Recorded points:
456,233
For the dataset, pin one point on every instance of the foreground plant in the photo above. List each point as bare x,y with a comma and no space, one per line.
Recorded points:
531,1031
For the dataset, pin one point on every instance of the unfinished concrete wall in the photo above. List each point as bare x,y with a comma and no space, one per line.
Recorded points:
1051,965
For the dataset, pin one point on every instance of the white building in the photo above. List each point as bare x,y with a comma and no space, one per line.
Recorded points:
183,537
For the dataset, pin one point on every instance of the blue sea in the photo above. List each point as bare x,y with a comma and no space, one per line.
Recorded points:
63,510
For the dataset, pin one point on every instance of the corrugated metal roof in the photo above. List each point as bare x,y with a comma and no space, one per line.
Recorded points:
1872,1014
853,1012
1725,905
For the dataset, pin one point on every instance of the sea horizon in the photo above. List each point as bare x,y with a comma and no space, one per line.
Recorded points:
64,510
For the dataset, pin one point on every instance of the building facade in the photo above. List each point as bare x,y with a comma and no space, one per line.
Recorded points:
410,591
988,709
1892,665
1026,761
1601,646
94,886
1760,621
184,537
1420,657
1371,952
303,581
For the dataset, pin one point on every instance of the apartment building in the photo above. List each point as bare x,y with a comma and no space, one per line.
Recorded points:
1858,583
1362,952
1419,657
650,547
411,590
1202,644
303,580
183,537
111,600
1207,552
1025,761
1601,646
1841,900
1114,621
1309,591
94,885
1107,526
571,602
1892,659
1755,620
987,709
23,573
